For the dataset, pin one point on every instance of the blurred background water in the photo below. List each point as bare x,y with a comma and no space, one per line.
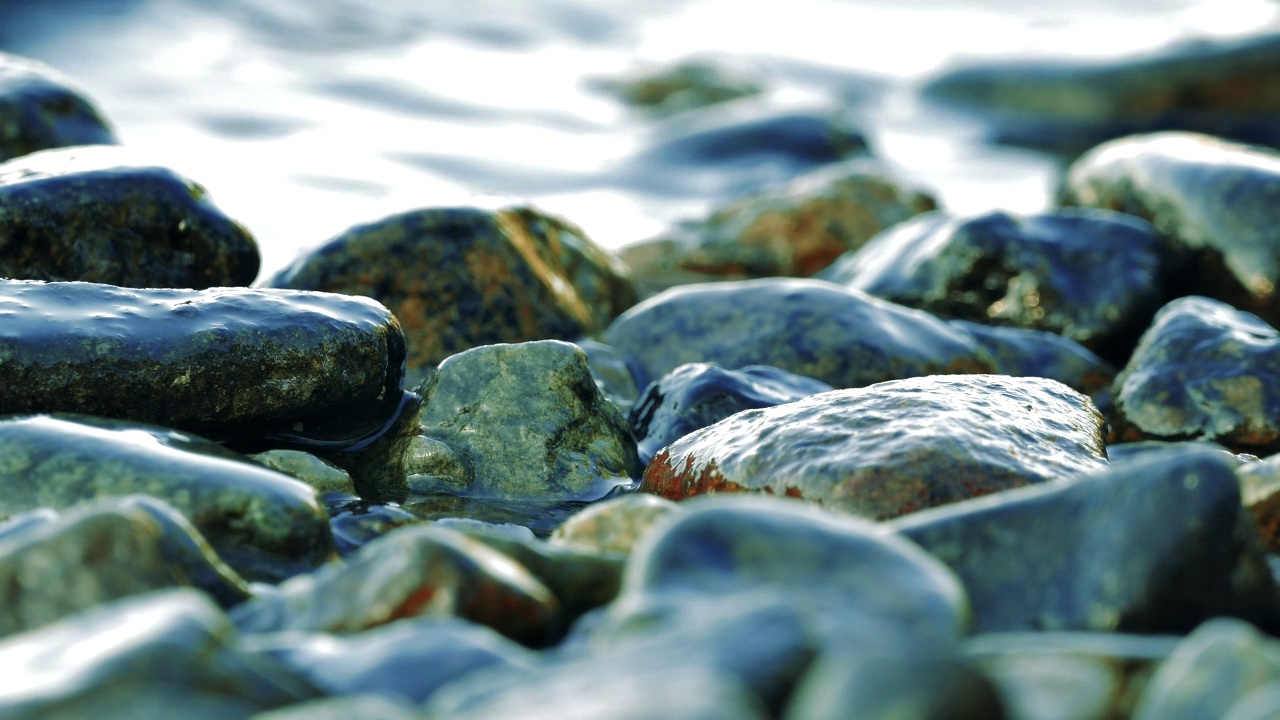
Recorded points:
303,117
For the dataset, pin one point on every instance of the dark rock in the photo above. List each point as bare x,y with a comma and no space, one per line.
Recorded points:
459,278
233,364
1221,87
357,523
324,476
1204,371
365,706
682,86
41,109
98,214
1059,676
140,659
795,229
1154,545
410,659
265,525
418,571
696,395
1090,275
614,372
1212,669
613,526
1260,491
842,337
892,448
1212,201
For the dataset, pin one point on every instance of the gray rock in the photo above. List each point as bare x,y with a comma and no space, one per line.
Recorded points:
1212,669
41,109
1260,704
892,448
1033,353
366,706
615,525
266,525
1260,491
678,87
324,476
356,523
614,373
98,214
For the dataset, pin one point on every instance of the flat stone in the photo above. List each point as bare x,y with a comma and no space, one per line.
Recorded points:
1155,545
265,525
818,329
1036,353
100,214
458,278
40,108
892,448
614,525
1202,371
232,364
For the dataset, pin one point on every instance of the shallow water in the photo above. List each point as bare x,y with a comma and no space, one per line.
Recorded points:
303,117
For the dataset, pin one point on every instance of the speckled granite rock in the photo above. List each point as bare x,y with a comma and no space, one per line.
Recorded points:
1212,201
892,448
1206,371
1157,544
99,214
1089,275
458,278
41,109
615,525
842,337
265,525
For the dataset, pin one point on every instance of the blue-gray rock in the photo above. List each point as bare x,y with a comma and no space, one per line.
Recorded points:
681,86
356,523
614,525
614,372
41,109
366,706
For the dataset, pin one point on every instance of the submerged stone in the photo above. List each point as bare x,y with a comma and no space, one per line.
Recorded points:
892,448
614,525
1203,371
41,109
1155,545
458,278
99,214
233,364
356,523
1034,353
265,525
1212,201
842,337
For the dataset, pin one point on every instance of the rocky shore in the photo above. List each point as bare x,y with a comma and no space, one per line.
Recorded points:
828,452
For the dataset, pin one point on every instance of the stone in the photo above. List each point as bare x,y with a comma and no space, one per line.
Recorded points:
265,525
366,706
1089,275
1069,675
324,476
1202,371
100,214
614,372
684,85
40,108
1156,545
524,422
410,659
614,525
1224,87
1260,704
459,278
696,395
796,228
416,571
356,523
1209,671
232,364
892,448
141,658
1212,201
1260,492
818,329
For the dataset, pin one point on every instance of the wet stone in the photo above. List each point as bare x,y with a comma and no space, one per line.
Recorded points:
42,109
1155,545
1260,491
1212,201
842,337
265,525
681,86
143,658
1089,275
357,523
324,476
696,395
892,448
614,525
1262,703
233,364
458,278
523,422
1202,371
614,372
793,229
366,706
100,214
418,571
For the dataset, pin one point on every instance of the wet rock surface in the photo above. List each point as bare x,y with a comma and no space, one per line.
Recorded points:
615,525
459,278
1260,491
1090,275
678,87
1204,371
842,337
227,363
892,448
42,109
613,371
98,214
1211,200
